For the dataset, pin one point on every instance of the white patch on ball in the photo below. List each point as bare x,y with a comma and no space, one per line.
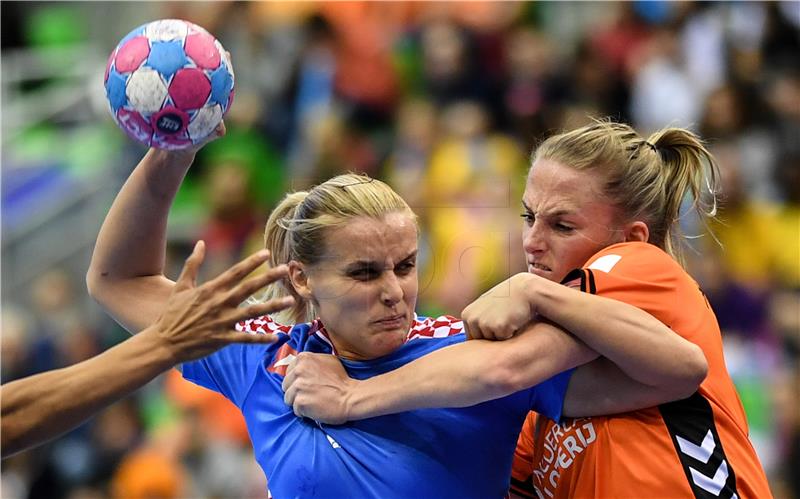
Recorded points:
146,90
204,122
166,30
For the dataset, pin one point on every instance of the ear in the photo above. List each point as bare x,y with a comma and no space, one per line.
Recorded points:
299,279
637,231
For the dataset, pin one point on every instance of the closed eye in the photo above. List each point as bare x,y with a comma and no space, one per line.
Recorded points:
528,217
405,267
364,273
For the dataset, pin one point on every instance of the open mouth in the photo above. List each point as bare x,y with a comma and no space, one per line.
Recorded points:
539,266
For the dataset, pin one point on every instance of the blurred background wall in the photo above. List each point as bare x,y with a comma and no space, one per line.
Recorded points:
445,102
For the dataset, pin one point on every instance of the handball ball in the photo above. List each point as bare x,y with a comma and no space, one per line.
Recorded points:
169,83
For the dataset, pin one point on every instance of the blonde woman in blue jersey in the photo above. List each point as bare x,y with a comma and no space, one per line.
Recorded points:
351,245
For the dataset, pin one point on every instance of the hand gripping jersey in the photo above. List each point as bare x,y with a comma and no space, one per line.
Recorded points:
422,454
696,447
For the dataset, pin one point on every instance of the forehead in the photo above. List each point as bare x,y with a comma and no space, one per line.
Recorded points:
552,186
386,239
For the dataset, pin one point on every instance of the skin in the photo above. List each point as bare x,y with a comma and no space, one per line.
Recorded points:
366,285
126,277
567,220
196,321
126,273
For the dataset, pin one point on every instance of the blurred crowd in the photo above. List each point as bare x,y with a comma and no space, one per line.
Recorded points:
444,101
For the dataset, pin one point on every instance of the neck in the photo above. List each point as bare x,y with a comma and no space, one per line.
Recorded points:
379,347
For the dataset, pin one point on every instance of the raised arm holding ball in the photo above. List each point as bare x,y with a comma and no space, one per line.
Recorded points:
168,84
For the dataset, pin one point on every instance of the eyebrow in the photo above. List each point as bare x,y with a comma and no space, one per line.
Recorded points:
372,263
553,214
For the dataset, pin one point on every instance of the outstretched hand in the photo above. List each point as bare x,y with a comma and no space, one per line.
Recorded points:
316,386
198,320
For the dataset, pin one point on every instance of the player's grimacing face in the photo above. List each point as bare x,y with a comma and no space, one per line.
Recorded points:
365,288
567,219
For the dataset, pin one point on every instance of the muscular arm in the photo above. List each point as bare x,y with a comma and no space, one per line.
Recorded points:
44,406
643,347
126,272
600,388
472,372
481,370
456,376
196,321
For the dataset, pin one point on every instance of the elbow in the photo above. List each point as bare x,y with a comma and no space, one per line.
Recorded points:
94,283
696,370
699,367
99,286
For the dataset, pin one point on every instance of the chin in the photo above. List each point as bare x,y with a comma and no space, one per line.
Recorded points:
540,272
387,341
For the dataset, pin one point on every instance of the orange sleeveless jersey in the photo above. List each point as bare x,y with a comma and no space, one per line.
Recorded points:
696,447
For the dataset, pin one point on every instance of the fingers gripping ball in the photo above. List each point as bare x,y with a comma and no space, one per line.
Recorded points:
169,83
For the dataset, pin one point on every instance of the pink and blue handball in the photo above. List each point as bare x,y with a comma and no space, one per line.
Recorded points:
169,83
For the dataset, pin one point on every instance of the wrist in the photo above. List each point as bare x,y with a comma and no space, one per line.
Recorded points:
164,171
566,307
543,295
170,159
159,348
526,286
358,402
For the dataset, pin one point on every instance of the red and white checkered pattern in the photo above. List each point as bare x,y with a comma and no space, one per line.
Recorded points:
429,327
435,327
262,325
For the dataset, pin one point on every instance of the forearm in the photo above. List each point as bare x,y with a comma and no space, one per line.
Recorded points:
639,344
126,271
132,239
601,388
470,373
44,406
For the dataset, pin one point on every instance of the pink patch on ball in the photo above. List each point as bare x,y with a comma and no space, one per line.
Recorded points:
169,121
108,65
190,88
131,55
172,142
201,49
134,125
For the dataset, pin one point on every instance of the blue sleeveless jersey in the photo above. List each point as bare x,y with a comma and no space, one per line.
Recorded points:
427,453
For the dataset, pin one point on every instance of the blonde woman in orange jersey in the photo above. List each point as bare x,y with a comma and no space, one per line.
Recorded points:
601,208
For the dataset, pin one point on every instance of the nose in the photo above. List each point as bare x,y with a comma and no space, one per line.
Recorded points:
533,240
391,291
